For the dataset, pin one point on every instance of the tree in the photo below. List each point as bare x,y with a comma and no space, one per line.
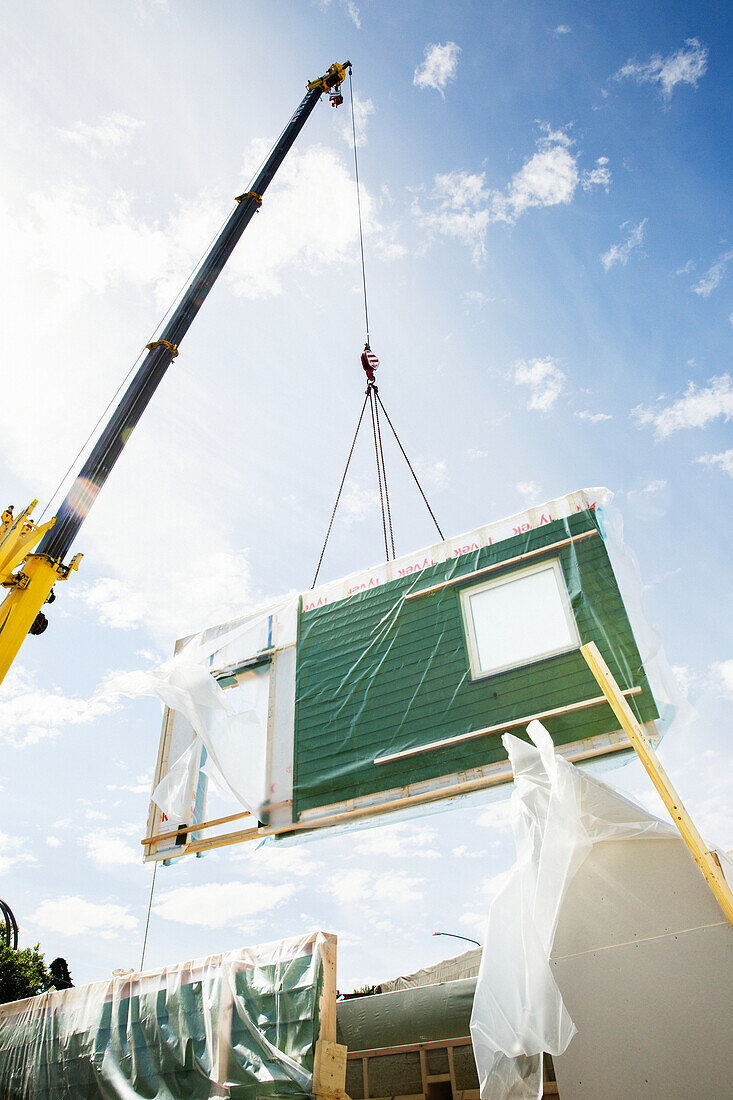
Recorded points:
22,973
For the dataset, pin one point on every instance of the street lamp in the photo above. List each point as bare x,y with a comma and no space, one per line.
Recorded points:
457,937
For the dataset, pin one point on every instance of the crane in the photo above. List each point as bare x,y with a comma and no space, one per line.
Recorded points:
32,556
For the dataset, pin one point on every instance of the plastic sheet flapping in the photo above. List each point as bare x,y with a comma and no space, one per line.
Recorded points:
558,814
242,1024
230,724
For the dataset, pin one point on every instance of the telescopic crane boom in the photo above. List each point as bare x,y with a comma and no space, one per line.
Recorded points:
31,585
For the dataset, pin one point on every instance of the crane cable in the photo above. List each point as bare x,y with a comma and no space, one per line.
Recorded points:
338,495
375,404
372,405
358,206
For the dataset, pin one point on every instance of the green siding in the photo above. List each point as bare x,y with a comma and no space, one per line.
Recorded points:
378,674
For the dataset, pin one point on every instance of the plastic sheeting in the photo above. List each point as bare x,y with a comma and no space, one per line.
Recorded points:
558,814
230,724
424,1014
241,1025
465,965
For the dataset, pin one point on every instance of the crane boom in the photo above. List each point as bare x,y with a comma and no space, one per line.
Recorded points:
31,586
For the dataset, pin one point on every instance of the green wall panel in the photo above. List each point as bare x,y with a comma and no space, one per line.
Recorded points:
378,674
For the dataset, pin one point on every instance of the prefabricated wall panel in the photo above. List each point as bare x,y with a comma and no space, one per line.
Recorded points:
378,674
373,678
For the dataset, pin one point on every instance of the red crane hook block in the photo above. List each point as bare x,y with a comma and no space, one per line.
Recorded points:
369,362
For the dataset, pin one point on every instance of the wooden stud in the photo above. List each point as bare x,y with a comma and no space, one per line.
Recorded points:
706,860
329,1071
329,1067
501,565
364,1077
423,1070
452,1070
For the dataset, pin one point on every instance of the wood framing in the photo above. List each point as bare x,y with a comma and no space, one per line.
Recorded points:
456,1079
401,799
706,860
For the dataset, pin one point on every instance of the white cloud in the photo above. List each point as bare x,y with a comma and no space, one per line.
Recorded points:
363,109
714,276
686,66
349,7
358,503
697,408
498,815
106,848
374,892
215,905
475,922
593,418
549,178
29,714
13,850
88,242
400,841
74,916
142,782
723,460
545,379
111,135
464,852
463,207
722,678
620,253
433,474
600,176
648,490
530,490
561,29
278,862
206,589
439,66
686,678
476,298
352,11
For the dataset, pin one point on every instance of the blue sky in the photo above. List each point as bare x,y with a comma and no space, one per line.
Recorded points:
549,254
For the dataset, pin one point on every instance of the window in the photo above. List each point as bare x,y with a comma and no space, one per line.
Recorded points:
518,618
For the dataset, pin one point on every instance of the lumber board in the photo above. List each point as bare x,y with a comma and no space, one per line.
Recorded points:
706,860
582,704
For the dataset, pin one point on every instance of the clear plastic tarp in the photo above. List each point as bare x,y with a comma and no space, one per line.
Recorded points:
558,814
241,1025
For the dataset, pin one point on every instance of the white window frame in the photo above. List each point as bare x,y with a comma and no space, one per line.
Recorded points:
479,673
